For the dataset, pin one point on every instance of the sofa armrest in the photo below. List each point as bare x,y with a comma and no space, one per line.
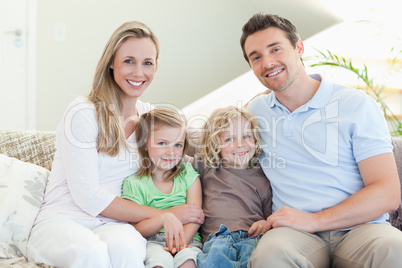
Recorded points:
395,217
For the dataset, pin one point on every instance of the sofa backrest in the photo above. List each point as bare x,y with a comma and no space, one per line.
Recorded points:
36,147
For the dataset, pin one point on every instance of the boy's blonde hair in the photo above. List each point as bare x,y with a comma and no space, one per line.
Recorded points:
155,119
211,142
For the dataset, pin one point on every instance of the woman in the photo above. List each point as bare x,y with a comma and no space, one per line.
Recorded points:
83,220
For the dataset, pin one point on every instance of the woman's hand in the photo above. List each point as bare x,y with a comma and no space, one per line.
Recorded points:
188,213
174,231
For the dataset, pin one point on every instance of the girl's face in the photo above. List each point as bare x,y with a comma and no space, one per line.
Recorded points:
134,66
165,147
238,146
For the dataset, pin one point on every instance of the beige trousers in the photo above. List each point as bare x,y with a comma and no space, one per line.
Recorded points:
366,245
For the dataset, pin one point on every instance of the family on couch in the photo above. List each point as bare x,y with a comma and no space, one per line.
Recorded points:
331,191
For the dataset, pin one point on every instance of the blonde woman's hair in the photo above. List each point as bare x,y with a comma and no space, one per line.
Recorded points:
105,93
151,121
211,141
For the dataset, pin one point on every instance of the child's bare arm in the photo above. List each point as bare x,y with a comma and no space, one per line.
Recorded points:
167,220
194,197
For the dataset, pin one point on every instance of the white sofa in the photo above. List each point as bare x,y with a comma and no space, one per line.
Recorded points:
25,161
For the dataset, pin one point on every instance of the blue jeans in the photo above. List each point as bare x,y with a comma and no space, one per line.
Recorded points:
227,250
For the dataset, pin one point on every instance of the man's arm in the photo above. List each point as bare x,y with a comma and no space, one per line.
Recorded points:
380,195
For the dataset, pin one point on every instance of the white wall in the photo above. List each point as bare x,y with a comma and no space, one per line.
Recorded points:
199,41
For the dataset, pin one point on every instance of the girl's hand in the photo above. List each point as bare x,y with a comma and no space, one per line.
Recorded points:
259,227
174,251
173,230
188,213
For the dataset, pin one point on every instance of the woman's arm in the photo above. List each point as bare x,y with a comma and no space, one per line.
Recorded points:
129,211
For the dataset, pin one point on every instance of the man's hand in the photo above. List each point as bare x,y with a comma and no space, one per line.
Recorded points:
293,218
259,227
188,213
267,91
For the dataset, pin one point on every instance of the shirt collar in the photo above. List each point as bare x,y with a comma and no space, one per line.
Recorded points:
320,98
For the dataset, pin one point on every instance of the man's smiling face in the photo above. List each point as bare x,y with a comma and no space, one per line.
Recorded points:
274,60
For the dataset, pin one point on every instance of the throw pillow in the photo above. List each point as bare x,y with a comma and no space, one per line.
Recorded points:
22,186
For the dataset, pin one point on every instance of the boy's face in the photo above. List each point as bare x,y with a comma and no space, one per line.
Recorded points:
273,59
238,146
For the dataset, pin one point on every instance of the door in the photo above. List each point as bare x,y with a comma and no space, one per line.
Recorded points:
15,107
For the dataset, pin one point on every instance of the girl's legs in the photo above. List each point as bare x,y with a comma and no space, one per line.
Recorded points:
187,257
156,255
188,264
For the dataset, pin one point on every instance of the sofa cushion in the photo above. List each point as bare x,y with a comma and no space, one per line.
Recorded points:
22,186
36,147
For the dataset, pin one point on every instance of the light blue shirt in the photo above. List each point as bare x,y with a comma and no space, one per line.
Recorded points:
311,155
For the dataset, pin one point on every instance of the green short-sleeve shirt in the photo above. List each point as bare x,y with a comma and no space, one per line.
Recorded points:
144,192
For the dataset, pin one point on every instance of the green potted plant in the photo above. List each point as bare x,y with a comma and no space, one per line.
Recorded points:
369,85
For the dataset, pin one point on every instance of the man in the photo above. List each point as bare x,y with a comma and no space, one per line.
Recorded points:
328,155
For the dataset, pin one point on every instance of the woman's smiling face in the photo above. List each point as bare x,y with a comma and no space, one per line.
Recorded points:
134,66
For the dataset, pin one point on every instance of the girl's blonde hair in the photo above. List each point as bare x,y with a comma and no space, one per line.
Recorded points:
211,141
153,120
105,93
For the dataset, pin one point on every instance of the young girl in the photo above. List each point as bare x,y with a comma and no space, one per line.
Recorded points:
236,193
164,181
82,221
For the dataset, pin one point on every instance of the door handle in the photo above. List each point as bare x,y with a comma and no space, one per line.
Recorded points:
17,32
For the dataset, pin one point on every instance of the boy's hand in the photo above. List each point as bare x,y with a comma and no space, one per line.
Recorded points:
259,227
